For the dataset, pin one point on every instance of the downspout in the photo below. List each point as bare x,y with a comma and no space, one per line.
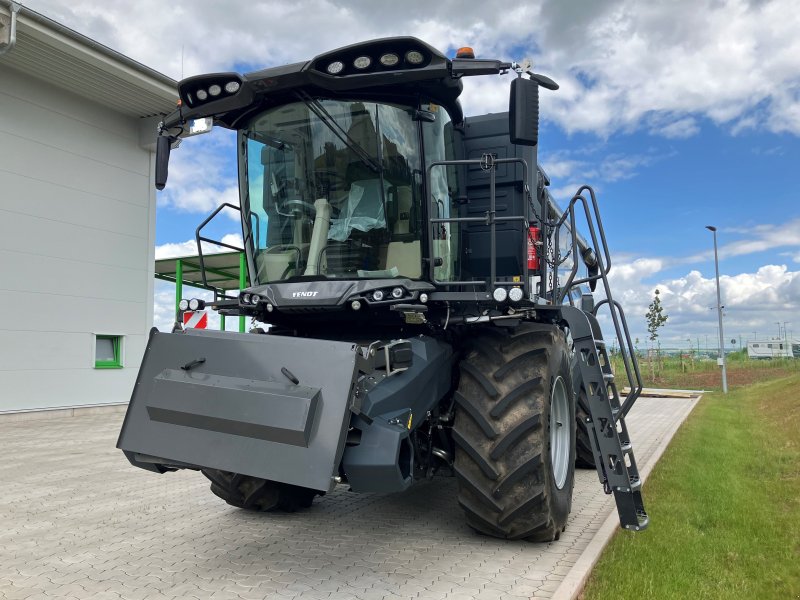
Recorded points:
12,36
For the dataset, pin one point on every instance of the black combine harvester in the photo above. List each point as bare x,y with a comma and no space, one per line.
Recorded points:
429,305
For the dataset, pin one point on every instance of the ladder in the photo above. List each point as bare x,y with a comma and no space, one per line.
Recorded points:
608,434
611,444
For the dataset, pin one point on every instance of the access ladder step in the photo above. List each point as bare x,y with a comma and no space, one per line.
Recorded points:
631,510
613,452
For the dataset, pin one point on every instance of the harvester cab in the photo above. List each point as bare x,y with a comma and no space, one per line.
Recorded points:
428,304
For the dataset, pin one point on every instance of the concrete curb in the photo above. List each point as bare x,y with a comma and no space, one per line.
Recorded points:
59,413
574,581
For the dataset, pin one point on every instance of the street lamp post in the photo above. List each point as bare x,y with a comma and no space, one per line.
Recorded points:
713,230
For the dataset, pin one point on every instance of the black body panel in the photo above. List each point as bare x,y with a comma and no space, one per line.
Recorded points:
488,134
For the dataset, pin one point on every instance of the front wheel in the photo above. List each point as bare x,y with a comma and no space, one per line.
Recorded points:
515,433
254,493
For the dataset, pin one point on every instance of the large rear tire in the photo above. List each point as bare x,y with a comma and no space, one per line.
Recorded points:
253,493
515,433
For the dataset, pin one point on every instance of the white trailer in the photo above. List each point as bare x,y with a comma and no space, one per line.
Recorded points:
773,348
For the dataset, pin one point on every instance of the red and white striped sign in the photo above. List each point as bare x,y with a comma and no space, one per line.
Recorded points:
195,319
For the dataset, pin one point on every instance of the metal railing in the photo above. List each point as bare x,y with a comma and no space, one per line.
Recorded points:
603,265
487,163
199,239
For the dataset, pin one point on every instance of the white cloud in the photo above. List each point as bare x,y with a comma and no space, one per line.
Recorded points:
621,65
682,128
711,58
750,240
592,164
753,302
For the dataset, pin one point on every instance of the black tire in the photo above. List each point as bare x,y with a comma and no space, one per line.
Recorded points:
253,493
506,482
584,457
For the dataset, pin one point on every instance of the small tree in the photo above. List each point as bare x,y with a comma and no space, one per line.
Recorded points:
655,320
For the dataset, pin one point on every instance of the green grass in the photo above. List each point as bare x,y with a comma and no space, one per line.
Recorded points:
724,503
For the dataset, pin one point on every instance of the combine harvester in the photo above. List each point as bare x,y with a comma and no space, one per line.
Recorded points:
429,306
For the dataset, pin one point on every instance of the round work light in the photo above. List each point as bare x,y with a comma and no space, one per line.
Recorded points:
362,62
335,67
390,59
500,294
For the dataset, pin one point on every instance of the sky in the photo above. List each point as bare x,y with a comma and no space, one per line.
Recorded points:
681,114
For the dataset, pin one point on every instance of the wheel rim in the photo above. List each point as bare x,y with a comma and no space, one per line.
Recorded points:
559,432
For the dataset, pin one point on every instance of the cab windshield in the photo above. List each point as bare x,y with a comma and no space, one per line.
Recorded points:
333,188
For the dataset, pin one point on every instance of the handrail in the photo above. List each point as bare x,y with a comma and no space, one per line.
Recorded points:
603,257
487,163
198,238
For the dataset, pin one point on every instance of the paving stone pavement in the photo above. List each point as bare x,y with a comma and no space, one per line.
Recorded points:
79,522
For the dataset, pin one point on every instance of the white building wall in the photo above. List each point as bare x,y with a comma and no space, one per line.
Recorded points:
77,220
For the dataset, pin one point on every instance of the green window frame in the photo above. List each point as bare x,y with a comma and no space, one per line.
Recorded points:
116,345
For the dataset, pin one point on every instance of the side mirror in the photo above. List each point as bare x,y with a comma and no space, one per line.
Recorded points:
163,145
523,112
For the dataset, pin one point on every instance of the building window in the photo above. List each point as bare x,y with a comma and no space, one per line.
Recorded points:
108,352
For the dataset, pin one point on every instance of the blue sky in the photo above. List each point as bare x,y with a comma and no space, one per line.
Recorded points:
681,114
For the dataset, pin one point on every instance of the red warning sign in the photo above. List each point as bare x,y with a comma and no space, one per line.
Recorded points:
195,319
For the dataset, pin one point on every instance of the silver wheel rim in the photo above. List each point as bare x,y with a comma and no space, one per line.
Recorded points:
559,432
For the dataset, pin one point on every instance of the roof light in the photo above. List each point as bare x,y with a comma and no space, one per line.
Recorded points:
335,67
215,90
414,57
196,304
515,294
183,304
232,87
500,294
201,95
390,59
465,52
362,62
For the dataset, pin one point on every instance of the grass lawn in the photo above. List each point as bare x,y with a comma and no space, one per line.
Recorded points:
724,504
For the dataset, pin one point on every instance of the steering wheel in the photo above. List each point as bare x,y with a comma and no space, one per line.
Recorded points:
295,208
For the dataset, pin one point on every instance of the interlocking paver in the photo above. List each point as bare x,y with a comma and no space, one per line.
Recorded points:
80,522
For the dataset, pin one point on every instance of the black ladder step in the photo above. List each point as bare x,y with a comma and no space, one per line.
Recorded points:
631,510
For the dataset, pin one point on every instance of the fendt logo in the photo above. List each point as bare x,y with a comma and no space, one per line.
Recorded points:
304,294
